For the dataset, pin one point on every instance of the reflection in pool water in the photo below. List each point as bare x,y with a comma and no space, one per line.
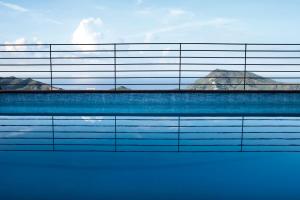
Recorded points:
145,133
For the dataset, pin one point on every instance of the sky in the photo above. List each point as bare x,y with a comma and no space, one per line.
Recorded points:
146,21
99,21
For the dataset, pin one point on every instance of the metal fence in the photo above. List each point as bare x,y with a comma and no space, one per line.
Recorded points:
150,66
149,134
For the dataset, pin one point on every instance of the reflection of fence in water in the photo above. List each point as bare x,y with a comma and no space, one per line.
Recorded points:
154,134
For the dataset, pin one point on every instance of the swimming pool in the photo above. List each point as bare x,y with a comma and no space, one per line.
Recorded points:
150,122
94,145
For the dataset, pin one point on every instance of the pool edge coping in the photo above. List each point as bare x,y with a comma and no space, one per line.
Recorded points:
148,91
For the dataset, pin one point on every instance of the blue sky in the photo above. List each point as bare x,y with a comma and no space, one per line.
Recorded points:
67,21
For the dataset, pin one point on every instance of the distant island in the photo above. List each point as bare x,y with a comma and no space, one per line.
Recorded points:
121,88
234,80
14,83
216,80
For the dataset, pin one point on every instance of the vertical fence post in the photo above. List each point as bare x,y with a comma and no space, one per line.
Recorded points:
115,66
245,65
50,57
242,134
179,71
53,136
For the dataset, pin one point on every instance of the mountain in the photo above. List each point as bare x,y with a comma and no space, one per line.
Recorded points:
216,80
234,80
121,88
13,83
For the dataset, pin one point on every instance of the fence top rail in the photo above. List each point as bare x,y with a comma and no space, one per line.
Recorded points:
153,43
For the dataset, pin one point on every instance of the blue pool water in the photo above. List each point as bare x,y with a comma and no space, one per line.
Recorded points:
78,175
150,175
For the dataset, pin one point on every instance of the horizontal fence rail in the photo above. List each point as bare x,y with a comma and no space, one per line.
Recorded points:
149,134
150,66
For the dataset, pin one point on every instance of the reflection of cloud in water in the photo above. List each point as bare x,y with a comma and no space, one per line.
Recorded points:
22,131
92,119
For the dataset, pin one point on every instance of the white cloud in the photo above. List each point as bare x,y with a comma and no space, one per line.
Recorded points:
35,15
36,40
148,37
87,32
11,47
176,15
18,47
166,51
176,12
216,23
14,7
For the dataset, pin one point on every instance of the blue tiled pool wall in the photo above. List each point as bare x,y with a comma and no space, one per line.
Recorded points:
149,98
287,104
